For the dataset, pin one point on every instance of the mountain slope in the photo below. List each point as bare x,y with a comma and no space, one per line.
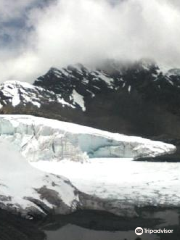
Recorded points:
135,99
130,182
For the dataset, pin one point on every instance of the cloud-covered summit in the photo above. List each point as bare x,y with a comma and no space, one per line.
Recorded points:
36,36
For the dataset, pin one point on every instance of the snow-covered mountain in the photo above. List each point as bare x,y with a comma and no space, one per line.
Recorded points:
135,99
140,99
30,191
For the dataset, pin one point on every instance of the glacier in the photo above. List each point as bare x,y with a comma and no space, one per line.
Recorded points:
46,139
132,182
27,141
32,193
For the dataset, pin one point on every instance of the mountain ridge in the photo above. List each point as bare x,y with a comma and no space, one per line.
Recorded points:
137,99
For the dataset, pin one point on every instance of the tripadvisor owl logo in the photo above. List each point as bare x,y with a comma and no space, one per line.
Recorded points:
138,231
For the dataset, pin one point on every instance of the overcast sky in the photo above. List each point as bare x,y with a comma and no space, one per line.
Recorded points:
38,34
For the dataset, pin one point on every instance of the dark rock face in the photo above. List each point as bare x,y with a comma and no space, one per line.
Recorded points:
134,99
14,227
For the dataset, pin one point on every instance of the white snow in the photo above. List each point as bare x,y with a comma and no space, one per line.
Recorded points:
16,90
124,84
129,88
11,84
137,183
64,71
171,82
18,179
46,139
13,89
78,99
63,102
57,73
36,104
16,100
105,78
44,142
10,91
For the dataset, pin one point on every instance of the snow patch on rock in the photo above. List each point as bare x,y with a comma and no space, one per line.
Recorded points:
77,98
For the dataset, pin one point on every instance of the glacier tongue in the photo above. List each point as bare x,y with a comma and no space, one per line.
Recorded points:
28,190
45,139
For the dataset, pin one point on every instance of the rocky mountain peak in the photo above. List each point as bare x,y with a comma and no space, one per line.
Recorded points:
132,98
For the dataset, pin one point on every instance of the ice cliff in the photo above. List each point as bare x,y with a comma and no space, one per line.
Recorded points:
45,139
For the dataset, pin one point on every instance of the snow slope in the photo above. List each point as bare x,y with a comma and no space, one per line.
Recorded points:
18,93
45,139
136,183
24,188
30,192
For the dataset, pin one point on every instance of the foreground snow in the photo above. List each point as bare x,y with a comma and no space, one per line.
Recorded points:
27,189
30,192
136,183
46,139
61,148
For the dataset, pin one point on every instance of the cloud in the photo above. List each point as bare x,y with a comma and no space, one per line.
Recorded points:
89,31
